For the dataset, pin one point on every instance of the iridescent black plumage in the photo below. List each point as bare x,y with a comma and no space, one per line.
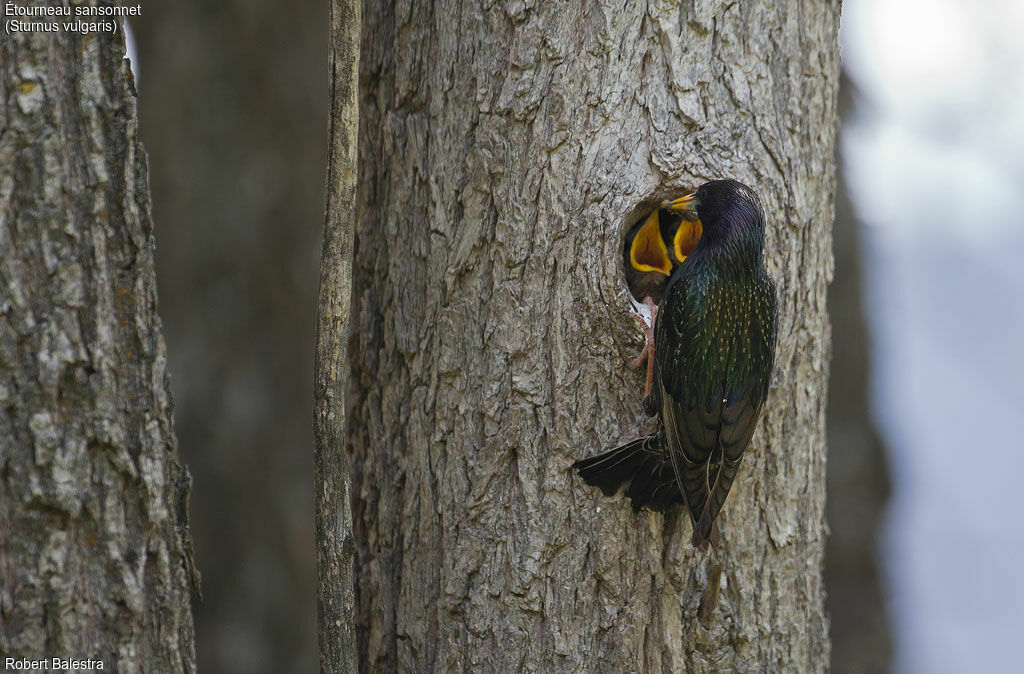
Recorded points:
715,333
643,462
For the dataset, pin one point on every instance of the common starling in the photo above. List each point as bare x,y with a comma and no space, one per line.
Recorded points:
715,333
654,247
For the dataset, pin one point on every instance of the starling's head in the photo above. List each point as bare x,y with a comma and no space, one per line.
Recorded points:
730,212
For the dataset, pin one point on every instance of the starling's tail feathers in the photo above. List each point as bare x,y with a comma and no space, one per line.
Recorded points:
714,537
643,465
705,529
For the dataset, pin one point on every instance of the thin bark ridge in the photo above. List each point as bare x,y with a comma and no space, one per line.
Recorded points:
95,551
334,540
501,145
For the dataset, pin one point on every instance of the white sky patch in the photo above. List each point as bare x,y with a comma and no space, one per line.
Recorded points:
132,52
955,191
944,87
911,50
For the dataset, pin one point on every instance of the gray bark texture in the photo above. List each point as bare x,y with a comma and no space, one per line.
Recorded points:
95,551
502,146
334,540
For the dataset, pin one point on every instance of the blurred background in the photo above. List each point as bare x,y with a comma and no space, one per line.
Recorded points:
922,564
233,108
933,155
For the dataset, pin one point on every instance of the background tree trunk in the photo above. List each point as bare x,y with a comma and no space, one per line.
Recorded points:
95,551
858,476
334,541
502,146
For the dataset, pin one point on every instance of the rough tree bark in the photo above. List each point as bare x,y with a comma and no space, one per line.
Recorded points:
334,541
502,145
95,552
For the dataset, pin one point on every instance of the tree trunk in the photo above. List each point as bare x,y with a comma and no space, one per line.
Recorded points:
858,477
95,551
503,144
334,541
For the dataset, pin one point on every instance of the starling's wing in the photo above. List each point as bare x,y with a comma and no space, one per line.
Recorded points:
714,361
674,333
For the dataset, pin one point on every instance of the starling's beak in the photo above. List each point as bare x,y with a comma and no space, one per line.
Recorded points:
690,229
687,204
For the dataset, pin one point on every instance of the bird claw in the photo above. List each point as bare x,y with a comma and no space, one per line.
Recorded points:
647,353
644,353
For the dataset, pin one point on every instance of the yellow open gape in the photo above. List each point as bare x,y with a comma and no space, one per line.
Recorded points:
686,238
656,245
648,252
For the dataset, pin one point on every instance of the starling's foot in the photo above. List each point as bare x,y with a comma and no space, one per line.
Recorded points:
648,351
